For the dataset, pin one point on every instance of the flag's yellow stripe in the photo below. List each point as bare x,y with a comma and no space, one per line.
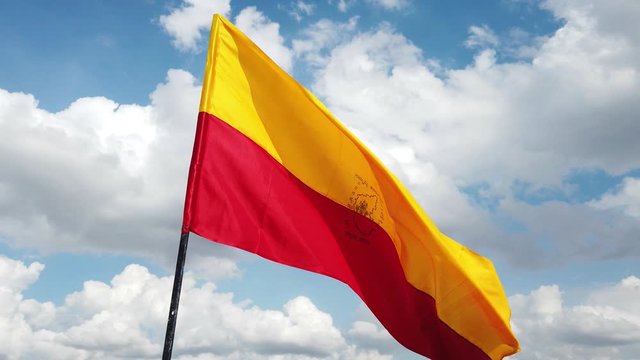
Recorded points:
253,95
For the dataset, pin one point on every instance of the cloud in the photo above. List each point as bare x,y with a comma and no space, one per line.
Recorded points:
612,18
315,41
306,8
626,198
372,336
343,5
186,23
17,276
606,325
495,124
266,34
102,176
490,107
300,9
126,318
391,4
480,37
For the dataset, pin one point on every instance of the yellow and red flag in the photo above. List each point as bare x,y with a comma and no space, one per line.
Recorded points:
275,174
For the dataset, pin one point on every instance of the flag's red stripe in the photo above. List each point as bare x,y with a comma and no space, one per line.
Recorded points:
241,196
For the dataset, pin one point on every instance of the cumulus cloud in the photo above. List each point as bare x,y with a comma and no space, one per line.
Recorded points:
493,125
102,176
266,34
473,114
186,23
371,335
126,318
605,325
17,276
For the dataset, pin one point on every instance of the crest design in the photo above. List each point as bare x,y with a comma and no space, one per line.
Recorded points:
364,200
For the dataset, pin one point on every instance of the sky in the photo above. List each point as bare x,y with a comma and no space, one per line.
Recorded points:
514,123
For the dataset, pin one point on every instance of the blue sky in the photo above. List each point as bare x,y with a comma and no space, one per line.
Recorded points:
513,122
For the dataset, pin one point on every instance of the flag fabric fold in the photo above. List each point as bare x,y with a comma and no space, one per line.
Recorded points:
275,174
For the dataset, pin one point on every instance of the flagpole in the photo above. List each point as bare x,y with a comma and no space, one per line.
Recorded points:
175,296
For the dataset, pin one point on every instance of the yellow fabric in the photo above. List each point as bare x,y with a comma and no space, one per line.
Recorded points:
246,89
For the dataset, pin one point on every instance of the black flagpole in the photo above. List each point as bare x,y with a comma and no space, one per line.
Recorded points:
175,296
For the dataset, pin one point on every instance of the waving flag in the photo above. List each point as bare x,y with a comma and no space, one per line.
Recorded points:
275,174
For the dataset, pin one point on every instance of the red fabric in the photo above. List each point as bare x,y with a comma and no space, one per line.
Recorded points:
240,196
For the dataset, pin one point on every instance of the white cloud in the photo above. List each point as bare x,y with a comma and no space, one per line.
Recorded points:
126,318
17,276
480,37
101,176
496,124
471,116
606,325
316,40
626,198
391,4
615,18
304,7
266,34
372,335
300,9
343,5
186,23
520,44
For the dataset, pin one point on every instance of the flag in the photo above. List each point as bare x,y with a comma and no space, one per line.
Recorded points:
275,174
